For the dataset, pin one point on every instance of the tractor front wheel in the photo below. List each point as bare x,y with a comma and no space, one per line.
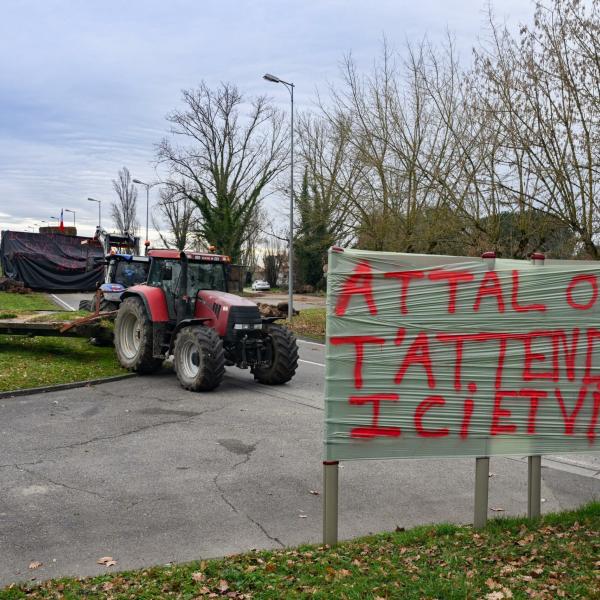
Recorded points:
284,357
133,338
199,358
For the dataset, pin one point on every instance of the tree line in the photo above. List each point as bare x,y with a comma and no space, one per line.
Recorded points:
417,154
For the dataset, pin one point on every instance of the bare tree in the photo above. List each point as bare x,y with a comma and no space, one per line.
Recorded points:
178,212
124,210
546,86
275,258
225,161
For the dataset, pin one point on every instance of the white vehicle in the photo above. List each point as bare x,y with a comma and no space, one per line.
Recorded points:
260,286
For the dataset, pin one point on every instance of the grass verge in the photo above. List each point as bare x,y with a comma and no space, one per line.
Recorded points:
556,557
40,361
310,323
11,302
33,362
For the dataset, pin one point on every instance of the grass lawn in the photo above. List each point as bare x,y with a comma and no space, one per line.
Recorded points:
39,361
31,362
557,557
10,302
309,323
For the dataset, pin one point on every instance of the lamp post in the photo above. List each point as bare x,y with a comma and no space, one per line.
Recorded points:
71,211
99,210
57,220
290,89
147,186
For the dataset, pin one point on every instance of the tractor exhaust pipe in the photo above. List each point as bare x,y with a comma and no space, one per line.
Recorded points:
182,306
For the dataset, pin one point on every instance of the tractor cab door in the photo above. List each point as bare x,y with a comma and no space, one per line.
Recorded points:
165,274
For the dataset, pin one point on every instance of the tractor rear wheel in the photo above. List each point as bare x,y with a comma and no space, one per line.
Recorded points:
199,358
284,357
133,338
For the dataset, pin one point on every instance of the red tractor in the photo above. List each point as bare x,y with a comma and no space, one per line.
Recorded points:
184,310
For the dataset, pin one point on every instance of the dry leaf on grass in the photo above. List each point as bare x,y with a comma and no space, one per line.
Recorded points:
198,576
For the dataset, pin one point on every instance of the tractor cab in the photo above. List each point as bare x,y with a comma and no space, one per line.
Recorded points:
182,275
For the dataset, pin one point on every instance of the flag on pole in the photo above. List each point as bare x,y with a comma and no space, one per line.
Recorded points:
62,225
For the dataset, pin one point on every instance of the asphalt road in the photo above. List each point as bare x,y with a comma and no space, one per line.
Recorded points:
148,473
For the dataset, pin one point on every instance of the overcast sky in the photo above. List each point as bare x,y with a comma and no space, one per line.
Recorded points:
85,84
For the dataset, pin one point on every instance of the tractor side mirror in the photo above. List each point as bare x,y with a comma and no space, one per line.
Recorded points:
167,274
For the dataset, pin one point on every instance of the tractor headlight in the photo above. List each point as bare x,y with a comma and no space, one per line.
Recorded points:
244,326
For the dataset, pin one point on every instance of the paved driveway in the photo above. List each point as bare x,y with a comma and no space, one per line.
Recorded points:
148,473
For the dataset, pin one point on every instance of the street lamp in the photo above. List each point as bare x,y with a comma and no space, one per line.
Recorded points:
57,220
290,89
147,186
71,211
99,210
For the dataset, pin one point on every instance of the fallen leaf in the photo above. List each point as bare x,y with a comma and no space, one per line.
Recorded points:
495,596
492,584
315,493
303,516
270,567
398,528
344,573
107,586
223,585
35,564
198,576
497,509
107,561
526,540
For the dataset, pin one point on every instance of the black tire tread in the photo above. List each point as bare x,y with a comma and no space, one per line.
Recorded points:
213,360
286,357
144,363
85,305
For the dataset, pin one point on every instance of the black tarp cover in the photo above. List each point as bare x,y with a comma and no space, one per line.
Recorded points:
52,261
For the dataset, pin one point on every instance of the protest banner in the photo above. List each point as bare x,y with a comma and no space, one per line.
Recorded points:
439,356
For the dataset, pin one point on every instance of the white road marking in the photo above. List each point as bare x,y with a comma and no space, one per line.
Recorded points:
63,303
310,362
312,343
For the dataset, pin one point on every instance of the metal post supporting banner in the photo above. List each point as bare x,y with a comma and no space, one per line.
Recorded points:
534,463
482,474
482,463
534,486
330,502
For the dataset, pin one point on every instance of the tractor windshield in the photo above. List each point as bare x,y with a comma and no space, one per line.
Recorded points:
201,275
206,276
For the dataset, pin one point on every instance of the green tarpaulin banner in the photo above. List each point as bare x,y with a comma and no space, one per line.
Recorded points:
443,356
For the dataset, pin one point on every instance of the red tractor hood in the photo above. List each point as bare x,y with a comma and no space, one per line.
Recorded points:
223,298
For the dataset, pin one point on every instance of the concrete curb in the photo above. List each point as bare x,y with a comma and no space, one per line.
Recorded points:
64,386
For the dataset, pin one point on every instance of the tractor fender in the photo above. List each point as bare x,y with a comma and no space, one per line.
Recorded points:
181,325
154,301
